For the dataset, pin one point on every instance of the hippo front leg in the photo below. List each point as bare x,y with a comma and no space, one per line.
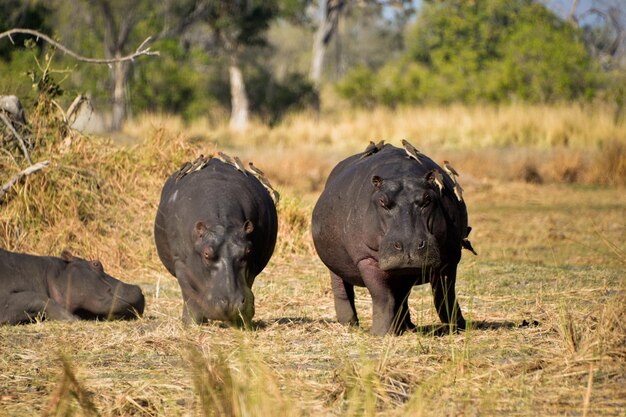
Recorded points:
444,292
189,303
24,307
389,299
344,300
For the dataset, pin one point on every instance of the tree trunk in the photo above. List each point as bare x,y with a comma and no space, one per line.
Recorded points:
571,17
118,73
238,98
319,46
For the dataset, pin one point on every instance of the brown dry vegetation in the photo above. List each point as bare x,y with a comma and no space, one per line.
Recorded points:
546,294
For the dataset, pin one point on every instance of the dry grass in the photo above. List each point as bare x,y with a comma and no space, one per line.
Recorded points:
546,294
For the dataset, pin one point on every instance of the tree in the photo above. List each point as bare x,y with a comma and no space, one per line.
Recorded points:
112,28
233,26
20,14
492,50
329,12
328,16
113,22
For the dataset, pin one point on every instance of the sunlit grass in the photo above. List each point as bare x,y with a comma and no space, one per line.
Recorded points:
544,298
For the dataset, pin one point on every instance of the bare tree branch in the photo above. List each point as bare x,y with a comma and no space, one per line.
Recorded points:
72,110
141,50
572,13
31,169
10,126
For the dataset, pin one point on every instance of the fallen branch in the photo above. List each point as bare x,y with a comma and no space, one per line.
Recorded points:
30,170
141,49
7,122
72,110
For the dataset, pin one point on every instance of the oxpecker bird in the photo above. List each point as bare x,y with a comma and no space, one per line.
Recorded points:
412,151
466,244
227,159
437,178
450,171
255,170
239,165
458,191
183,170
372,148
195,164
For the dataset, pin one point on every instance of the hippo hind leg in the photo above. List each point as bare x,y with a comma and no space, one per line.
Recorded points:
24,307
344,300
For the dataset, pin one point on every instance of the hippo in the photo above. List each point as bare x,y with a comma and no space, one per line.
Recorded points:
215,230
66,288
388,219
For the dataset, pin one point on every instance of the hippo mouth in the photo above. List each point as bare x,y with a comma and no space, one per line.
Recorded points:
201,310
405,264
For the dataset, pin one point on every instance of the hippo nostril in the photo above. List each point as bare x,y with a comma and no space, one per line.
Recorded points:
421,245
397,245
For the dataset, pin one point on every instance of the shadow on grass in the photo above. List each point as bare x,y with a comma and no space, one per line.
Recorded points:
438,330
289,321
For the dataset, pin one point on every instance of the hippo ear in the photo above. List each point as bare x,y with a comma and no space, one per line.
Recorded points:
248,227
377,182
199,230
66,255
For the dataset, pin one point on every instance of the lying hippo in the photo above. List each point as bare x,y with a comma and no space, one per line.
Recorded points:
66,288
389,219
215,231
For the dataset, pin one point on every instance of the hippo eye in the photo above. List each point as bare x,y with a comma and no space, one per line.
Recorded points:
426,200
208,253
96,265
383,203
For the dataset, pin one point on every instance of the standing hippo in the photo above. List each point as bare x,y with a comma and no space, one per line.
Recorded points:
389,219
66,288
215,230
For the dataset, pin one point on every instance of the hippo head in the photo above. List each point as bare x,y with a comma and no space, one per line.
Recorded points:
85,290
410,214
217,283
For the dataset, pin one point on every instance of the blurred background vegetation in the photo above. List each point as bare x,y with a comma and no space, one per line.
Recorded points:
298,54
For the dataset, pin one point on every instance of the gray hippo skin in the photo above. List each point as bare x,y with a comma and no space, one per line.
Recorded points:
383,222
215,230
66,288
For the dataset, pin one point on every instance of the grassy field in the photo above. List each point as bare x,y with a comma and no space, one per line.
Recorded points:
545,297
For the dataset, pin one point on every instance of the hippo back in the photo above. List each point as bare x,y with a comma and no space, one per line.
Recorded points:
215,193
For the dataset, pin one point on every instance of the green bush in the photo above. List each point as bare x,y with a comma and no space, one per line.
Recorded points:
487,51
272,98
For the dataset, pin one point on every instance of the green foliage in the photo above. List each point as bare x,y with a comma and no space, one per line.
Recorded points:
165,85
271,98
492,50
30,14
359,86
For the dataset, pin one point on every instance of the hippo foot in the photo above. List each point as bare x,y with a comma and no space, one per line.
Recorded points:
451,328
243,323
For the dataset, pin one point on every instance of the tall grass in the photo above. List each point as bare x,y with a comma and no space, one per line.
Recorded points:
571,143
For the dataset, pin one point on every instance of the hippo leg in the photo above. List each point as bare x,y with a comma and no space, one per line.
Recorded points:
407,324
444,292
24,306
389,299
344,300
189,315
